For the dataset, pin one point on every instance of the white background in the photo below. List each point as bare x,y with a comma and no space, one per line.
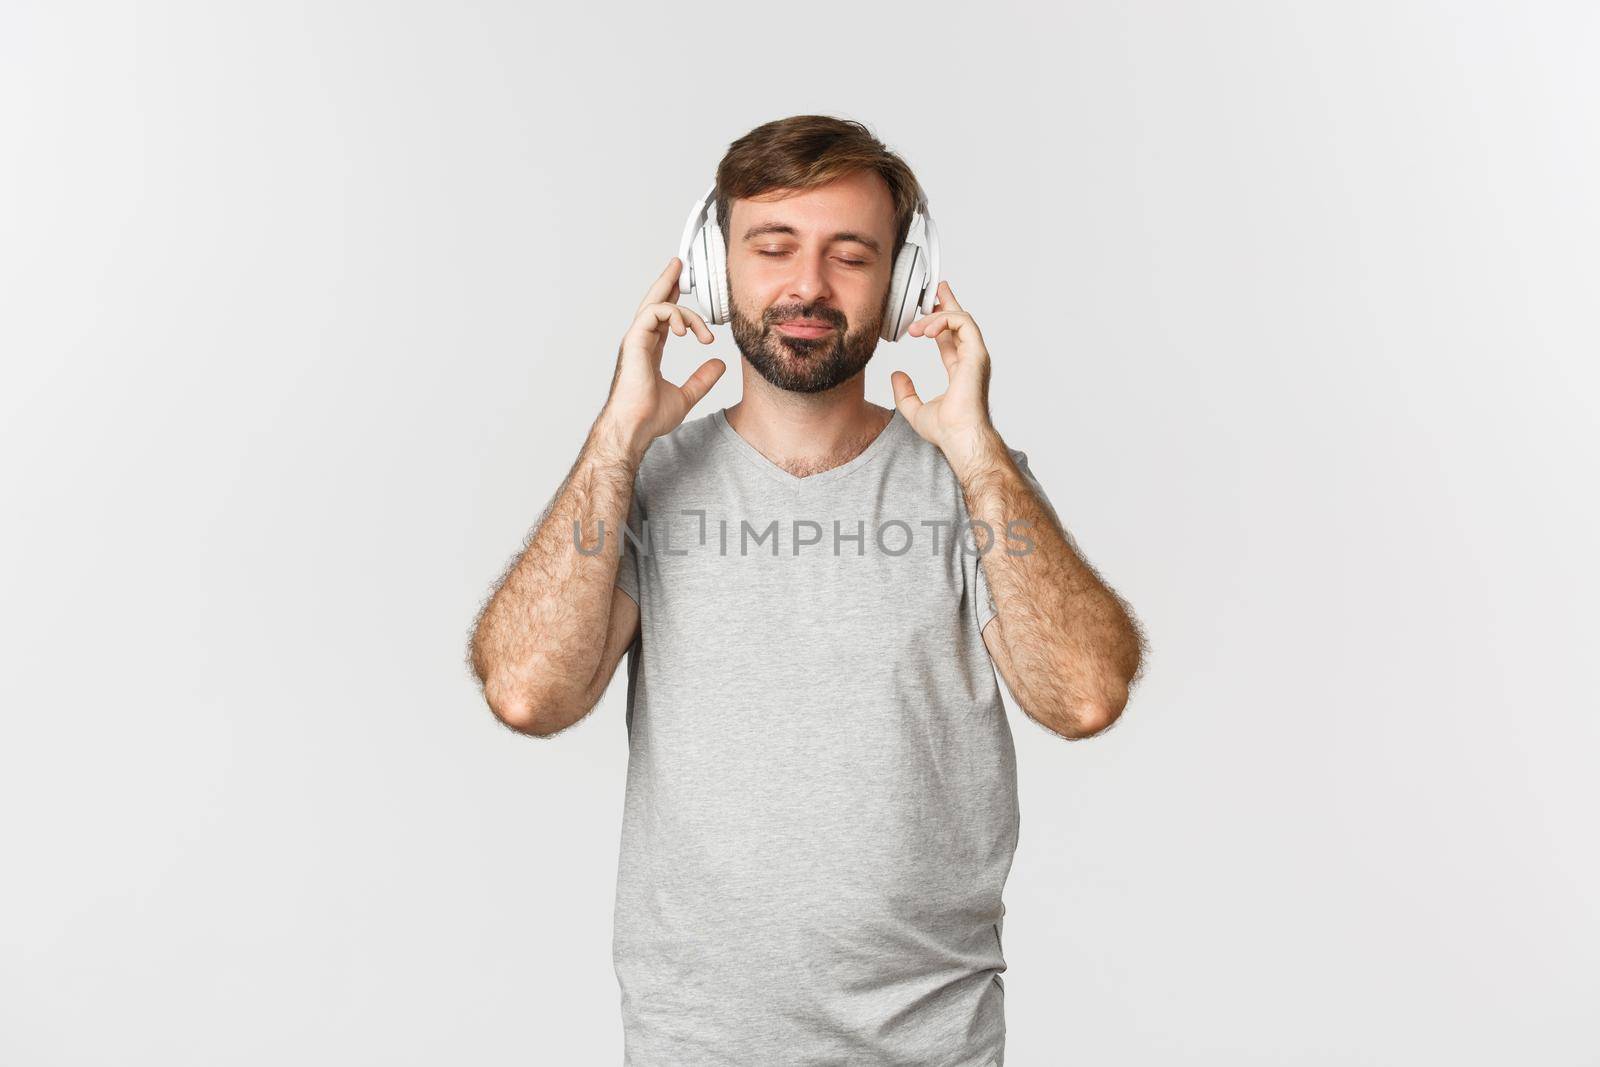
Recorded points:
306,308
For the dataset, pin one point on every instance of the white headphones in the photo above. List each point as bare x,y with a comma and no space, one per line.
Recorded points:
912,287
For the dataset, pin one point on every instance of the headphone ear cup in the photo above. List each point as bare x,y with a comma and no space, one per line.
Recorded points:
697,267
905,290
716,274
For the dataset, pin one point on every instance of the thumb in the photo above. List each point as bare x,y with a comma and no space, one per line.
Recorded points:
905,395
701,381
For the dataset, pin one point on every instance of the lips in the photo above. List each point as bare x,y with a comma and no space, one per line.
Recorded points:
805,328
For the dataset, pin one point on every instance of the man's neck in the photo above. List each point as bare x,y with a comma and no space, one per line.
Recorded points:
807,433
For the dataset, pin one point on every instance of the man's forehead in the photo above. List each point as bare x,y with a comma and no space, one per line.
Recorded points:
855,209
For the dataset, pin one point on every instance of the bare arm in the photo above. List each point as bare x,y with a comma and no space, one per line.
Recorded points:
548,641
1067,646
1065,642
544,642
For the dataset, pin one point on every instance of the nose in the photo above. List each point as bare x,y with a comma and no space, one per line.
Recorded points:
810,281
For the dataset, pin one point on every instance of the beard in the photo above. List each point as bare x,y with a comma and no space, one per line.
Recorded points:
805,364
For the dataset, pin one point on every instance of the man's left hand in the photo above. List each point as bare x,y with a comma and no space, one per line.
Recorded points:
958,422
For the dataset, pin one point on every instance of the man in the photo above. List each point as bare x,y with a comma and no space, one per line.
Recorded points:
821,805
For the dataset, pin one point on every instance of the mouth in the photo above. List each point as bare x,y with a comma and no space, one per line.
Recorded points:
805,328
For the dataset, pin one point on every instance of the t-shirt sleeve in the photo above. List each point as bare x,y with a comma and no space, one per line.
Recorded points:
984,599
628,565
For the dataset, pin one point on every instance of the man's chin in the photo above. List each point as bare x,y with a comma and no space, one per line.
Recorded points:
798,364
803,361
805,373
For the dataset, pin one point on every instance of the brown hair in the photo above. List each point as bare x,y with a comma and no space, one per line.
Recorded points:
805,151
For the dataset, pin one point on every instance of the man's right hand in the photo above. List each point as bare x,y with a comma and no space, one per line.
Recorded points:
643,405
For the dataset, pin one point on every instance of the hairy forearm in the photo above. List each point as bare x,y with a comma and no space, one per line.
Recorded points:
1072,643
538,643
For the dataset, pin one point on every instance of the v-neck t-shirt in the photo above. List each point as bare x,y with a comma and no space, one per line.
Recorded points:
821,804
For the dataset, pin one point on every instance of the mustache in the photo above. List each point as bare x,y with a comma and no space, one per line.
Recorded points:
831,316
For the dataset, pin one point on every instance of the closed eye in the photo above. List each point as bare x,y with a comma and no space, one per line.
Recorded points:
847,262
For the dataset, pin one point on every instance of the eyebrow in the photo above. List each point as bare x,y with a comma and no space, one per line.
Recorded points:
843,235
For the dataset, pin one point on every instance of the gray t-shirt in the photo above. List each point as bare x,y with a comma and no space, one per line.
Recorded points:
821,805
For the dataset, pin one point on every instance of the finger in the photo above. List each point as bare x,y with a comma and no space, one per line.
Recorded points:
679,320
933,325
660,313
655,320
701,381
905,395
701,330
948,349
956,326
947,298
666,281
